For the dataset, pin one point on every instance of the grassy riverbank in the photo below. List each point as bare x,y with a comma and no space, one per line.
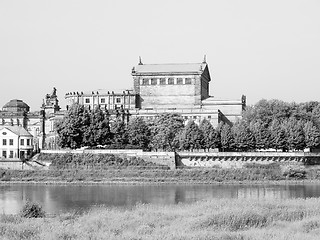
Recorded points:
214,219
252,173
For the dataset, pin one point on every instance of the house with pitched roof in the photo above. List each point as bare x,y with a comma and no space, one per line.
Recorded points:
15,142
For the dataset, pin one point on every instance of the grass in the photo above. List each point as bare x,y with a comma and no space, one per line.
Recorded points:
214,219
272,172
152,174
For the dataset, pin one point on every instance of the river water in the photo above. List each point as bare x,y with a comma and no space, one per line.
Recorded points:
77,198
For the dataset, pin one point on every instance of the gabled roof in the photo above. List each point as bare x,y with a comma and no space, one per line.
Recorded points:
169,68
18,130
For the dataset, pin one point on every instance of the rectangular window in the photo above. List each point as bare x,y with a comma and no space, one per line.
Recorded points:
103,100
11,142
28,142
118,100
21,142
4,154
188,81
153,81
179,81
87,100
145,81
11,154
4,142
209,117
162,81
170,81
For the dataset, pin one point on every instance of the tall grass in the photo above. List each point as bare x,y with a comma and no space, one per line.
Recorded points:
214,219
251,172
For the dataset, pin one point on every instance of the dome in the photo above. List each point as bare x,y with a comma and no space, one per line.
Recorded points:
16,105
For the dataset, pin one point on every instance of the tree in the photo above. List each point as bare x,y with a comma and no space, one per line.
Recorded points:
191,137
165,130
296,140
98,132
118,130
278,136
211,137
138,133
71,129
261,134
311,135
243,138
227,140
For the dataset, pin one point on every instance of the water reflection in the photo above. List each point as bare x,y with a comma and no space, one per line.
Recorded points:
55,199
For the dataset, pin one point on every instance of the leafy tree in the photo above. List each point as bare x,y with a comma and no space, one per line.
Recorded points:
227,140
165,130
71,129
243,138
296,140
138,133
278,136
191,137
261,134
311,134
98,132
118,130
315,116
266,110
211,137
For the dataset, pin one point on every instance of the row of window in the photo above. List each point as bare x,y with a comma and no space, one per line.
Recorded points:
166,81
22,142
102,100
185,117
4,154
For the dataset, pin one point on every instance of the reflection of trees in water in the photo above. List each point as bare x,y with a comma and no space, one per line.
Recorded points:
69,198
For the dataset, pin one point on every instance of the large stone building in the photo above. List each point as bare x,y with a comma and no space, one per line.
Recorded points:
162,88
17,120
157,88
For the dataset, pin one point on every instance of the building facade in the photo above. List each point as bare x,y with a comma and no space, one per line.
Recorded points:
165,88
40,125
15,142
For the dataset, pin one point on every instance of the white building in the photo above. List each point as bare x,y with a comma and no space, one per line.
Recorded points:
15,142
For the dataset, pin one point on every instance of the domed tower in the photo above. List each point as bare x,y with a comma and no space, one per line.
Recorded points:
16,106
15,113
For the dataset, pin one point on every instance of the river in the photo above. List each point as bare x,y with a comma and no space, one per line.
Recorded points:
57,199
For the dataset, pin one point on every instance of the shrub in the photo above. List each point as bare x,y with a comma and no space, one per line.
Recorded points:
32,210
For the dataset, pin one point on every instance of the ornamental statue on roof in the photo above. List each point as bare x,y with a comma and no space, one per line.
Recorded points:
51,102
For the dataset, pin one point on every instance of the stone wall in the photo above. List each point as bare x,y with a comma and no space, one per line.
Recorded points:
239,159
14,165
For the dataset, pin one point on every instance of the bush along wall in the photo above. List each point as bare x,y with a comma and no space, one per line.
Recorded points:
94,161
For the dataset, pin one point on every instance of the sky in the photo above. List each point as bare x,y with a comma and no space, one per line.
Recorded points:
262,49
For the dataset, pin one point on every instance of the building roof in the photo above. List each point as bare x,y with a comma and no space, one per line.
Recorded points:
18,130
16,105
169,68
101,92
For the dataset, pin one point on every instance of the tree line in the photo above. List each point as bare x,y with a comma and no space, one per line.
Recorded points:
267,124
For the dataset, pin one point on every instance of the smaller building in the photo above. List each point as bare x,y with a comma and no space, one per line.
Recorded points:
106,100
15,142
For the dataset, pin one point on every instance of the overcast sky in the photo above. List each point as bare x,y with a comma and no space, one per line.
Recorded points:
262,49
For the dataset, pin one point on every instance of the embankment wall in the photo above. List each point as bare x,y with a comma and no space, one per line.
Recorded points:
239,159
14,165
